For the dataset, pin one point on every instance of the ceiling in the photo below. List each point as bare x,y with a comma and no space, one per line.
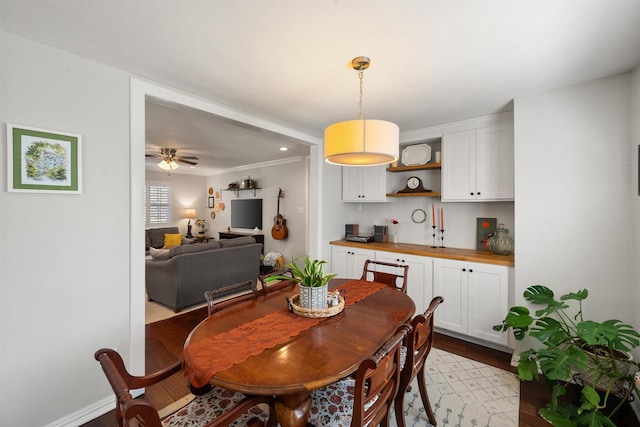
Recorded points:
288,63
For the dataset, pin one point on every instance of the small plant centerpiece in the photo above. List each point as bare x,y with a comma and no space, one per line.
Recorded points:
593,354
312,282
203,226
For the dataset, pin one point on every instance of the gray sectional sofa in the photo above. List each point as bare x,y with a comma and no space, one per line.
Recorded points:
180,280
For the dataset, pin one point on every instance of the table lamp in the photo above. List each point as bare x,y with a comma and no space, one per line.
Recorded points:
189,213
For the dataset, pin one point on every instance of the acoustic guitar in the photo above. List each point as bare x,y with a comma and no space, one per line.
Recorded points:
279,229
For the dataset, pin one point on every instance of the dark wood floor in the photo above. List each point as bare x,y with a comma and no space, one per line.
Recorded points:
164,342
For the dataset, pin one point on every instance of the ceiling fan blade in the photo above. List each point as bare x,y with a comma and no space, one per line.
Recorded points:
189,157
189,162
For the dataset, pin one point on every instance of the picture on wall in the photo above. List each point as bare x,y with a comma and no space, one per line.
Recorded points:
484,229
43,161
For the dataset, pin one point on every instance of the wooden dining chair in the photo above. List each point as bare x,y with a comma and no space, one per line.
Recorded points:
216,408
418,345
366,400
371,273
229,295
276,285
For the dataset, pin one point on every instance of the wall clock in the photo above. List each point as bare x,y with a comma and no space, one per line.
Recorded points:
413,185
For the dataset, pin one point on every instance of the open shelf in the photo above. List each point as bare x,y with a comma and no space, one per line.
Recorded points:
238,190
423,194
415,168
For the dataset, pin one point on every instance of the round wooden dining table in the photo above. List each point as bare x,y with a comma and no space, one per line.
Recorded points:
320,355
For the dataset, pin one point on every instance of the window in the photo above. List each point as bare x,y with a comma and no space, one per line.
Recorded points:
158,203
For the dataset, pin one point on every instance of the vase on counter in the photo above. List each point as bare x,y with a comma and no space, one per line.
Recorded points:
501,243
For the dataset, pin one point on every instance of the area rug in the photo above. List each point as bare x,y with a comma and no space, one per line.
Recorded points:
464,393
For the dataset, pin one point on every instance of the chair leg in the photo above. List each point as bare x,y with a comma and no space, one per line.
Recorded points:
422,386
399,407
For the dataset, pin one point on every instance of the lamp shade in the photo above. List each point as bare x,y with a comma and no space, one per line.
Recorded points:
361,143
190,213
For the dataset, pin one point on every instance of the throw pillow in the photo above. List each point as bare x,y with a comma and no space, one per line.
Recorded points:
159,254
171,240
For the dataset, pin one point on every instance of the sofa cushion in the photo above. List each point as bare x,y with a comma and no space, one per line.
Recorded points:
196,247
171,240
238,241
159,254
156,235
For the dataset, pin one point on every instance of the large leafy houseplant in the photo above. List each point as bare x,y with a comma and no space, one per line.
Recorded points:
573,349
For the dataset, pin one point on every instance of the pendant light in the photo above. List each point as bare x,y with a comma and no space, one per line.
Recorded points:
361,142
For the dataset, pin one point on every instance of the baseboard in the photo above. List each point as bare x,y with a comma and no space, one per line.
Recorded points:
86,414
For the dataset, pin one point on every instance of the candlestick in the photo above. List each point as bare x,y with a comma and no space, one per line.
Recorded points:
442,238
433,245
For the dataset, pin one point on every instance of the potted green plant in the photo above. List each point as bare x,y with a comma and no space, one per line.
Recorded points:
312,282
593,354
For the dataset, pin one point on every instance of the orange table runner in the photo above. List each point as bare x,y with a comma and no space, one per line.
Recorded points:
202,360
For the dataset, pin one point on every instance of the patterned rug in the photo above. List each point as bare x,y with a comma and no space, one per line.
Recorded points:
464,393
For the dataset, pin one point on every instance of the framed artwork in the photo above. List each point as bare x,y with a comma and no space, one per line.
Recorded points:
43,161
218,195
210,202
484,229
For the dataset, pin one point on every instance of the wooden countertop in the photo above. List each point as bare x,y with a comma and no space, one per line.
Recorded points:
426,250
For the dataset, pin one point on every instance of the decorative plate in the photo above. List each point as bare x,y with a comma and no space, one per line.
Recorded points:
213,215
221,206
418,154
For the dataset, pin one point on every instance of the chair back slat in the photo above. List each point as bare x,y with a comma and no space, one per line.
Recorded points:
397,278
226,296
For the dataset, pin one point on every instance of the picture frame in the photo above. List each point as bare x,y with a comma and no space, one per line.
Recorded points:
43,160
211,202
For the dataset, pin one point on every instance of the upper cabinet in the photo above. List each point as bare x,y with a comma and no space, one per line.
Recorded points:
363,184
478,164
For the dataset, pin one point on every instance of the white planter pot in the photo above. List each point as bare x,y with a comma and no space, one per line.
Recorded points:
314,298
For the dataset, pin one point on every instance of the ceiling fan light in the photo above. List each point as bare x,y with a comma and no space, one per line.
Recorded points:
361,143
168,166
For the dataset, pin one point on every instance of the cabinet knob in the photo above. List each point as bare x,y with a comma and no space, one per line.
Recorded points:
464,269
471,270
478,193
471,194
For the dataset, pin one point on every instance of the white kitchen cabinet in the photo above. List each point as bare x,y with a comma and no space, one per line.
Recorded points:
364,184
476,297
478,164
419,276
348,262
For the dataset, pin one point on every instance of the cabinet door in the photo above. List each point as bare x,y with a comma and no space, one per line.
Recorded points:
488,301
494,159
363,184
348,262
419,276
351,185
458,166
450,282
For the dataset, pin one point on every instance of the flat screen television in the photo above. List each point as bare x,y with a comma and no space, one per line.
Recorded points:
246,213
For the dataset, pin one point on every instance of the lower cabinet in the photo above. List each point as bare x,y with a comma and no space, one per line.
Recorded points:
476,297
348,262
419,276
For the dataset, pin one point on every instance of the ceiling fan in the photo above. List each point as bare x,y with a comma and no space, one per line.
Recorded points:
170,159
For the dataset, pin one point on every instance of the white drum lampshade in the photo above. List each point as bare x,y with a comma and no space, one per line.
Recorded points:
361,143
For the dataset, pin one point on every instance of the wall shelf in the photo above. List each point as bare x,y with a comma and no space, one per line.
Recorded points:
415,168
238,190
422,194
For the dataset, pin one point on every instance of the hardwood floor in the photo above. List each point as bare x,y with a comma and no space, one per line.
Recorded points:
164,342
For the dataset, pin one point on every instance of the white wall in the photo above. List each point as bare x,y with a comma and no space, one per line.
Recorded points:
293,178
574,196
63,258
189,191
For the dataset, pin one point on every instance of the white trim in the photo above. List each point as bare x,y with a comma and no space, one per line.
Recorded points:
261,165
434,132
86,414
